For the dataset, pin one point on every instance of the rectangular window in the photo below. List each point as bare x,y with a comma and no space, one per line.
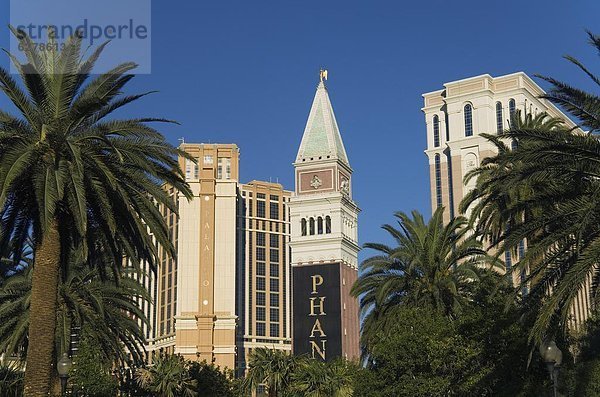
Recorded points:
274,284
274,297
260,283
260,254
260,268
274,198
189,169
261,314
260,209
228,168
507,260
260,239
260,195
260,329
274,270
521,249
274,210
438,180
274,240
274,328
220,165
224,168
274,255
260,299
274,315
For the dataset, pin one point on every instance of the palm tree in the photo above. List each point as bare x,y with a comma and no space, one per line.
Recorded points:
110,312
271,368
431,264
315,378
546,192
168,376
75,179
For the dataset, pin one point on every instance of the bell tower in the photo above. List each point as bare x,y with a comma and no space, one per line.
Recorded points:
324,239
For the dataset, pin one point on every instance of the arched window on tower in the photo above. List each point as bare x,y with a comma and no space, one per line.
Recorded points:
436,131
468,111
303,226
438,180
328,224
512,108
311,226
499,118
320,225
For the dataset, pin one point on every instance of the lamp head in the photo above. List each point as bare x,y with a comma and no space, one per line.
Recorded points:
64,365
551,353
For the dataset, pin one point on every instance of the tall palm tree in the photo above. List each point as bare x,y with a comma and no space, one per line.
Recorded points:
65,169
168,376
110,312
430,264
271,368
546,191
314,378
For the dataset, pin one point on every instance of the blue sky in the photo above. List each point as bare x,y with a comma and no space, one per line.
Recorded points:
246,72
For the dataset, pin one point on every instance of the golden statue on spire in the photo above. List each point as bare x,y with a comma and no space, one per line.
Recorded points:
323,74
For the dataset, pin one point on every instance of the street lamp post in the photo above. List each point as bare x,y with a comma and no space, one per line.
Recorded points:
552,356
63,367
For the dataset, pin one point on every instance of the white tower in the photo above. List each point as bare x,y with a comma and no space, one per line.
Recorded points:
324,238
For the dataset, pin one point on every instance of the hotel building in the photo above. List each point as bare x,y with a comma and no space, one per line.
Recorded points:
229,290
455,117
263,293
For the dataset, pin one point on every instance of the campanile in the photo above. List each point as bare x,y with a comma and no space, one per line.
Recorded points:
324,239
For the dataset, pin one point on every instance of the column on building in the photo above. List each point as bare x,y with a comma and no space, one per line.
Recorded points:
205,319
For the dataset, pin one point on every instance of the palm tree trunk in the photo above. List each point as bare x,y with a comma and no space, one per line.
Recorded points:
42,317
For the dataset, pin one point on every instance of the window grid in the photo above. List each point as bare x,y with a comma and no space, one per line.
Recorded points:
468,112
274,330
438,180
274,299
274,210
436,131
499,118
260,209
512,109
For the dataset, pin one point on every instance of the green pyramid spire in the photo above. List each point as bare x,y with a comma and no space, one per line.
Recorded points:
321,139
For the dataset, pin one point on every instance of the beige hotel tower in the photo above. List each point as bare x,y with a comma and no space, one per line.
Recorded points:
228,290
456,116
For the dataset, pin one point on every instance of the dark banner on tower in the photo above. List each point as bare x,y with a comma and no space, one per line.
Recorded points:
317,311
